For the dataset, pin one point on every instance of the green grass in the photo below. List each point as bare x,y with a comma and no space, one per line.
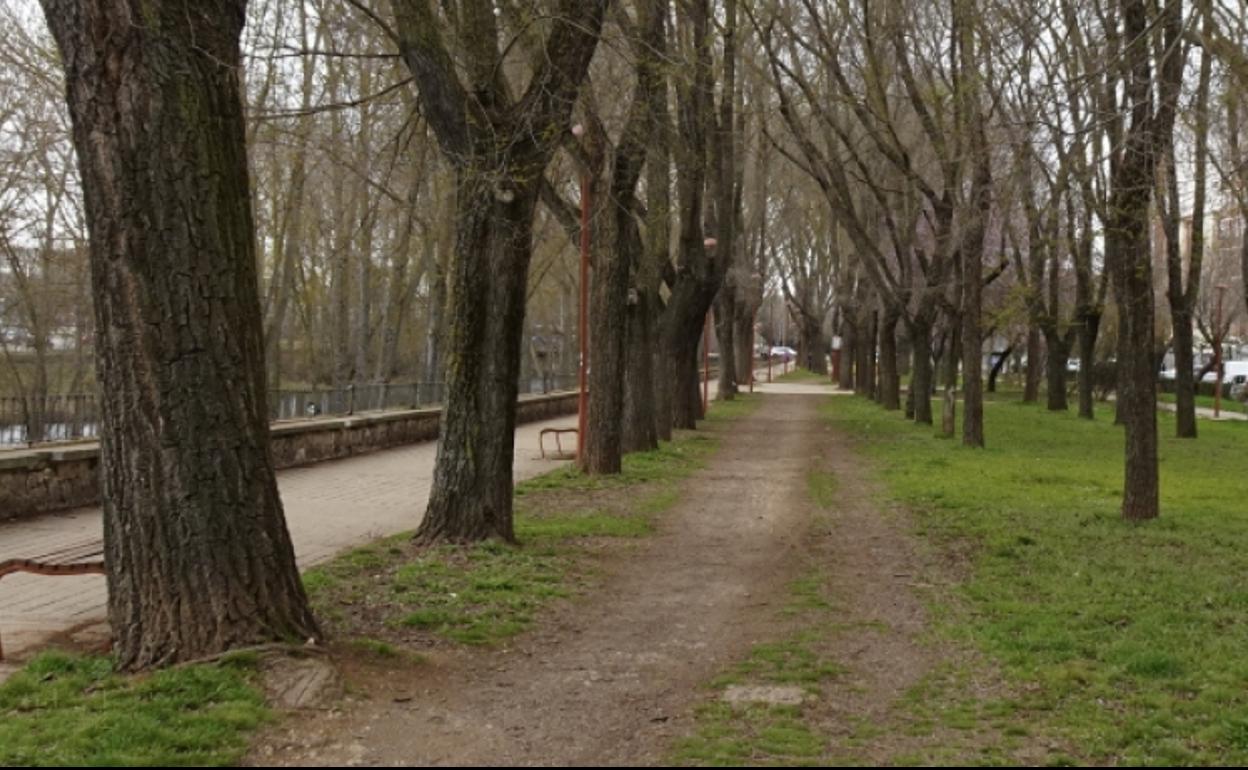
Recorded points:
69,710
1127,641
822,486
764,734
486,593
754,734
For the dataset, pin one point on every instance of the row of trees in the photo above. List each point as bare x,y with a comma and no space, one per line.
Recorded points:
905,175
1062,149
199,557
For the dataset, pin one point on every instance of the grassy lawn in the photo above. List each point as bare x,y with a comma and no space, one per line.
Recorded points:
1125,642
391,594
69,710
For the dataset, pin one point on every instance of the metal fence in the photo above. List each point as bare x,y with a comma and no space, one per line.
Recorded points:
51,418
26,422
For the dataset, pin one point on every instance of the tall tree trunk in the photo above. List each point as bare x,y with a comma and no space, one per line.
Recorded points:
472,482
872,362
616,251
199,558
664,389
967,84
921,370
1035,365
1184,373
499,147
618,258
743,339
1090,322
640,413
686,398
812,353
1130,257
725,328
849,350
890,379
1058,350
702,266
862,358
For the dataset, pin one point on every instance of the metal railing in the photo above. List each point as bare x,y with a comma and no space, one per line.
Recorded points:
31,421
27,421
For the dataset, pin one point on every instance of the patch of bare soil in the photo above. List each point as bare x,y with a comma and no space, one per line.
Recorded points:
611,678
901,682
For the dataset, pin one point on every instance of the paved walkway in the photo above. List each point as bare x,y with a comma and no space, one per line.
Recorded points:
330,506
1232,413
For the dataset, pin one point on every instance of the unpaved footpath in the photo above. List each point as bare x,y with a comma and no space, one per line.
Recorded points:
613,677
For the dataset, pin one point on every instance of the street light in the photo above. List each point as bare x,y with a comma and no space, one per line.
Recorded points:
1217,353
582,400
709,243
758,278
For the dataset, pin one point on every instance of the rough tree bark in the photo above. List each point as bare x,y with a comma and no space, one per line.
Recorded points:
499,147
890,378
199,558
1035,365
618,255
701,268
849,348
1182,298
980,205
921,380
1128,249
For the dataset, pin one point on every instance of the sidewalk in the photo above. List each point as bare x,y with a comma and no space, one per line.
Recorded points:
330,506
1207,414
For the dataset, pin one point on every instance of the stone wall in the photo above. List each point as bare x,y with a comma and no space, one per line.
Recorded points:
58,477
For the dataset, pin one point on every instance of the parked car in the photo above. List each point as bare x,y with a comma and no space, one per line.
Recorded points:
1235,372
783,353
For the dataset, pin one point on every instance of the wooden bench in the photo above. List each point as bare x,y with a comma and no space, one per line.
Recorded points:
85,558
541,439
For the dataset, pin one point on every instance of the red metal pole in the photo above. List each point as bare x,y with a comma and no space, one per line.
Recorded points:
753,332
1217,355
771,317
582,401
706,363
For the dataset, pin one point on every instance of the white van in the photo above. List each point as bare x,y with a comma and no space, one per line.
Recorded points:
1234,373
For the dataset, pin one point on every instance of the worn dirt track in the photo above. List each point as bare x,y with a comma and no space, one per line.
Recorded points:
611,679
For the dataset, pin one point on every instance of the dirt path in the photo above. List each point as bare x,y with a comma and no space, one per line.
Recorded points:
878,572
613,679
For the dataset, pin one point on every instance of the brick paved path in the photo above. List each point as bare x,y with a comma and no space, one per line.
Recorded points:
329,506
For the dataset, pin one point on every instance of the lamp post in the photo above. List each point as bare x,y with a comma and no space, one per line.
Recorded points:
708,243
1217,353
754,329
582,400
771,320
